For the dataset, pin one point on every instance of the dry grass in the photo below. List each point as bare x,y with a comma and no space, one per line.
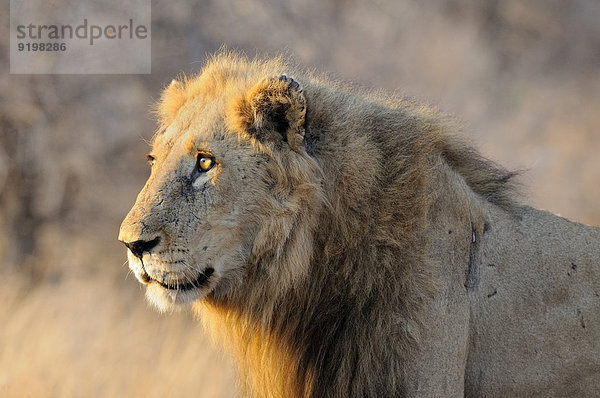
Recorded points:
89,338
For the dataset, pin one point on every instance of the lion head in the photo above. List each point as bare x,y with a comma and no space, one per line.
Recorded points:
230,181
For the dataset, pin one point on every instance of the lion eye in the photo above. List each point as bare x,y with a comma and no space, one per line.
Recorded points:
205,163
151,159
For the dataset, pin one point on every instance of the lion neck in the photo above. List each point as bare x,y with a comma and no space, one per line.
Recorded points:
302,341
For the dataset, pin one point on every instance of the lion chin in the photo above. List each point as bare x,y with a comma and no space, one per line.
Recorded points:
175,293
165,300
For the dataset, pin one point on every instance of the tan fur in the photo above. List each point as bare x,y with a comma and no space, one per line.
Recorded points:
359,247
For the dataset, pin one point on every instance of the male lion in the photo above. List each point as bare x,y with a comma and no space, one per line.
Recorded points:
346,245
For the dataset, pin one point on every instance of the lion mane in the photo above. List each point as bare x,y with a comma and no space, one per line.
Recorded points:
384,256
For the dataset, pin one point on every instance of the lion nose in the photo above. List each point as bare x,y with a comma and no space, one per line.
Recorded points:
139,247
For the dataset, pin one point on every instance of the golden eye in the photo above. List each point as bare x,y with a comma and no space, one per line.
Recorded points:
205,163
151,159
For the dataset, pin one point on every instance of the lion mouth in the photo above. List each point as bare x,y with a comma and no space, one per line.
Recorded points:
188,285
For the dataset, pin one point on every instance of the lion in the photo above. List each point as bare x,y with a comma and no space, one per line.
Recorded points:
343,243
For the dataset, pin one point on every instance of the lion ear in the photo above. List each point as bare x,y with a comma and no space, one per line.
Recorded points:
275,110
171,99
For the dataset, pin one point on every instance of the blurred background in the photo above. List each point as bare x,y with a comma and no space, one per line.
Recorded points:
523,76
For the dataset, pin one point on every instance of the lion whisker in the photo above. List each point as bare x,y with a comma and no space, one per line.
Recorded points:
190,267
